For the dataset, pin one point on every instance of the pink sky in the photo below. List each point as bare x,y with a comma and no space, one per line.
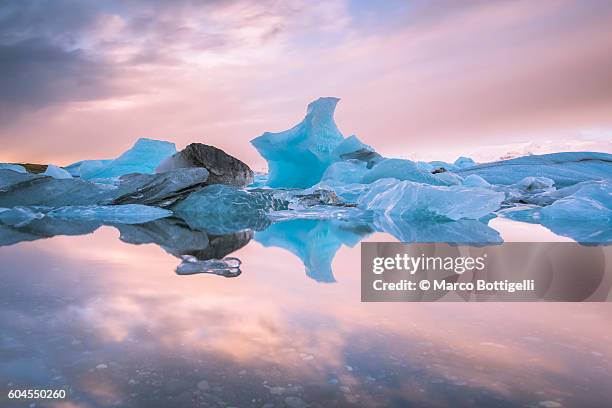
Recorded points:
417,80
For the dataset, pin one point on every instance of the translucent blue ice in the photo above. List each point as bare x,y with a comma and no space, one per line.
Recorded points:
420,201
142,158
14,167
474,180
591,203
57,172
564,169
120,214
298,157
400,169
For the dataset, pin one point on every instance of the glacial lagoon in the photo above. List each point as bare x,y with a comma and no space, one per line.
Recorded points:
114,324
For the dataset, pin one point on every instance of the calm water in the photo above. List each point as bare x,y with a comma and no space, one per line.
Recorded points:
114,325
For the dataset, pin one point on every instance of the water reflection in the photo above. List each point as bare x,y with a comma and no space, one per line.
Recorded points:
106,321
197,242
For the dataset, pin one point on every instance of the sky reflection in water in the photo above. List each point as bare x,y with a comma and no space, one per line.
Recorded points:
116,326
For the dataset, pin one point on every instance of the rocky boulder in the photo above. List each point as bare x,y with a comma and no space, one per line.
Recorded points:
223,168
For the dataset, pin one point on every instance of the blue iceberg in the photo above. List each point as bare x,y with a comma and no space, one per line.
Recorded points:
119,214
57,172
143,157
298,157
14,167
564,169
401,169
420,201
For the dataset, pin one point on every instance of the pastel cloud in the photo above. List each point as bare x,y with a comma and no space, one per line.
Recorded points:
86,79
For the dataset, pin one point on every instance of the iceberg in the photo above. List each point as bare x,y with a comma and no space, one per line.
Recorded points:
591,203
299,156
474,180
144,157
35,190
420,201
564,169
464,163
221,209
400,169
535,184
159,189
120,214
19,216
13,167
57,172
345,172
227,267
352,148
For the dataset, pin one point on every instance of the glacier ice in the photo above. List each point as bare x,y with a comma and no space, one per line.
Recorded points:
474,180
120,214
19,216
535,183
400,169
13,167
352,148
298,157
464,162
57,172
345,172
592,202
420,201
143,157
37,190
228,267
564,169
221,209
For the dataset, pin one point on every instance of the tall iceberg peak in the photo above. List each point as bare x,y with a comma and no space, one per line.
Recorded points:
298,157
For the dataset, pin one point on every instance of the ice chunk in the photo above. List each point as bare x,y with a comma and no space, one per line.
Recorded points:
36,190
464,162
466,232
298,157
227,267
448,178
159,189
351,171
221,209
10,178
57,172
120,214
474,180
400,169
564,169
86,166
13,167
420,201
590,203
352,148
19,216
143,157
535,183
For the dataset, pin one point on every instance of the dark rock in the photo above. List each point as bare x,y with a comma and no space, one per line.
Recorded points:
223,168
438,170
